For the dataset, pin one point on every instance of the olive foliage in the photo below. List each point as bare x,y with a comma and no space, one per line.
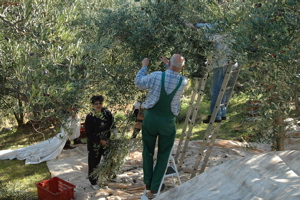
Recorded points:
56,54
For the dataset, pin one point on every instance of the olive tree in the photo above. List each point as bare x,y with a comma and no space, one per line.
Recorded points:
41,69
267,44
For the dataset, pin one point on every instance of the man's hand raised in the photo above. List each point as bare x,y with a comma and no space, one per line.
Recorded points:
164,60
145,62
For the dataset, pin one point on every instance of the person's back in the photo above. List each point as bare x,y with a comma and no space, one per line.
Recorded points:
162,106
153,83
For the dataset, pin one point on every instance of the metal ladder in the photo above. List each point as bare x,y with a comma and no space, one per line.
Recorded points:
227,87
190,118
170,171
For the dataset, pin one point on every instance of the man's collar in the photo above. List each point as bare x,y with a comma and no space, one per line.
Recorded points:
172,71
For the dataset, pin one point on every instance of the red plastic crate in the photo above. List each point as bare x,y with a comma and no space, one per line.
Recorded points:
55,189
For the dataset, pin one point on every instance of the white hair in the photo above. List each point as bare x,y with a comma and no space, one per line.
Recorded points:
176,64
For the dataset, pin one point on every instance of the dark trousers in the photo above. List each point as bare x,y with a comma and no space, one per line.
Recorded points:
68,143
94,157
163,128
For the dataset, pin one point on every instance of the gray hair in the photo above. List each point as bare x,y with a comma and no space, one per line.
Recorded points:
176,64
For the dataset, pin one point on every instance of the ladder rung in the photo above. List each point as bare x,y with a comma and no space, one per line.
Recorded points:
210,135
199,91
235,71
170,170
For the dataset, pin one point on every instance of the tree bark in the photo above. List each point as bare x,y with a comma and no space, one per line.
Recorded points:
280,132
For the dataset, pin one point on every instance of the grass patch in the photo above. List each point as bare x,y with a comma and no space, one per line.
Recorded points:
17,180
18,139
236,127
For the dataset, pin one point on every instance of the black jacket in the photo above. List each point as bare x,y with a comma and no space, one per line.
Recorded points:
97,129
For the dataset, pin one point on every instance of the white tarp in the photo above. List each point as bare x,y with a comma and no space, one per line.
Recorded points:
46,150
234,173
34,154
268,176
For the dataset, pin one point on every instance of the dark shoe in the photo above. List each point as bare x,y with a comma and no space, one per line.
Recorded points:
69,147
223,117
206,121
79,142
161,189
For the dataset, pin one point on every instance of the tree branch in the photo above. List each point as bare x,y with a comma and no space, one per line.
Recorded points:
15,93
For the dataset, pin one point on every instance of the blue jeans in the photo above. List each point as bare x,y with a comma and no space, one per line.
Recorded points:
217,80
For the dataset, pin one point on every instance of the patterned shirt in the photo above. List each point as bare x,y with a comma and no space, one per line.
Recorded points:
152,82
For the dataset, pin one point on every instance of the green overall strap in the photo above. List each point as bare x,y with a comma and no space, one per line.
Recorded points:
163,105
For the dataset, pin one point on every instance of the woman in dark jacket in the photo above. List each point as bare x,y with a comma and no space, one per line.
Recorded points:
98,124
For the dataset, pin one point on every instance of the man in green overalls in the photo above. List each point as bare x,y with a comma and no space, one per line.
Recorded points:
162,107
